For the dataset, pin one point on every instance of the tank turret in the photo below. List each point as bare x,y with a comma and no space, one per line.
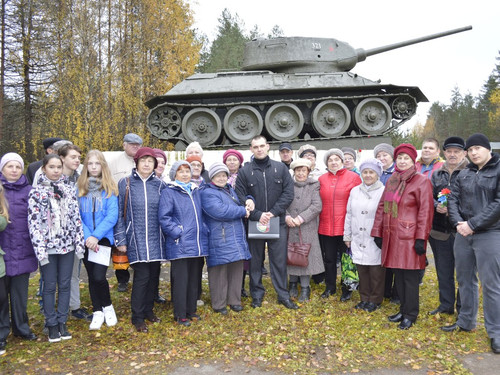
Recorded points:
289,88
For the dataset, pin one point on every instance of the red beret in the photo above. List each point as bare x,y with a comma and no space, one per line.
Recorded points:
408,149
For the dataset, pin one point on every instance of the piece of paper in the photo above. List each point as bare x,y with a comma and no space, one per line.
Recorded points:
102,256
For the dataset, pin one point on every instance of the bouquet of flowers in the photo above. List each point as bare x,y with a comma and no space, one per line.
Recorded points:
443,196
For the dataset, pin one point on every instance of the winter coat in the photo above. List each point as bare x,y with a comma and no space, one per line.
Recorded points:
361,209
99,224
55,225
415,212
223,214
181,220
15,239
270,186
442,179
428,169
334,191
475,196
140,230
306,204
387,173
121,166
3,225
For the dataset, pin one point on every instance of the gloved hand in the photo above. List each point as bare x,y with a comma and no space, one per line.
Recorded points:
378,241
419,247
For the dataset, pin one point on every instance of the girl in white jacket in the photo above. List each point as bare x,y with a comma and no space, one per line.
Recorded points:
361,209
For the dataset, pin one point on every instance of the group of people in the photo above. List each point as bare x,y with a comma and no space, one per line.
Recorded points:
381,213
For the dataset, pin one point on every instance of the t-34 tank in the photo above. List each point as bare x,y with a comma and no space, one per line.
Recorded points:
289,87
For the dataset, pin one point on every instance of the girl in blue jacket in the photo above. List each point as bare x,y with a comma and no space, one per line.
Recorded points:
98,201
180,217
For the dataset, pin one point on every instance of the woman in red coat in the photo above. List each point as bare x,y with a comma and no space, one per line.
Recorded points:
335,187
402,226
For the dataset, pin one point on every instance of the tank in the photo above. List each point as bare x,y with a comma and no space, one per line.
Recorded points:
289,88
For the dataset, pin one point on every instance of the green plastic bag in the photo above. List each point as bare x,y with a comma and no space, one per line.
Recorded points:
350,276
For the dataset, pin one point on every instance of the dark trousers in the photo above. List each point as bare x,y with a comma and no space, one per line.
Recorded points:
390,290
445,270
98,283
277,250
4,310
371,283
224,282
142,297
331,246
122,276
57,275
185,280
16,288
407,284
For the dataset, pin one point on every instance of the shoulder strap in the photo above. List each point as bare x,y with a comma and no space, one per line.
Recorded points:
126,198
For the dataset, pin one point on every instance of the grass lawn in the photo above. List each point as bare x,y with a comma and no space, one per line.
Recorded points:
321,337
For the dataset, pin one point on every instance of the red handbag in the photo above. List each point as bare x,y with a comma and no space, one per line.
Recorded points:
298,252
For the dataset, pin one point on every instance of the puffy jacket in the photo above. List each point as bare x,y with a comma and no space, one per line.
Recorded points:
475,196
270,186
415,211
223,215
442,179
140,231
334,191
361,209
54,219
99,224
15,239
387,173
180,216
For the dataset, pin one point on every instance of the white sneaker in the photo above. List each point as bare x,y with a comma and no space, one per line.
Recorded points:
97,320
110,315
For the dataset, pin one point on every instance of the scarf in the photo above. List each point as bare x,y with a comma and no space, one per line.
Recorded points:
184,186
395,187
232,179
93,201
367,189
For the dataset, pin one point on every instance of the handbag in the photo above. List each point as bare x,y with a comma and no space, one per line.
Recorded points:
120,259
298,252
271,231
350,276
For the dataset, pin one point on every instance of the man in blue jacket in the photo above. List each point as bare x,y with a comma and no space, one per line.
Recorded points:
266,187
474,208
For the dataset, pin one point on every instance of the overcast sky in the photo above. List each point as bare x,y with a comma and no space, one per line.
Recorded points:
463,60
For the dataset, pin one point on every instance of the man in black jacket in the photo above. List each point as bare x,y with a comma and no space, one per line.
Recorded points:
442,235
266,187
474,209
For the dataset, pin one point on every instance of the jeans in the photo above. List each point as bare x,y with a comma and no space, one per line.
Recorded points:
57,274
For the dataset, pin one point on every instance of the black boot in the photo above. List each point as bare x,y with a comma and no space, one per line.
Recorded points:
346,294
244,293
292,289
305,294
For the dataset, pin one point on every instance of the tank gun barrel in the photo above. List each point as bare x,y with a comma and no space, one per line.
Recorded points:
363,54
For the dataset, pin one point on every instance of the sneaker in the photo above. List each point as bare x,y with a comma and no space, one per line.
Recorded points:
122,287
3,344
63,330
110,315
81,314
97,320
54,335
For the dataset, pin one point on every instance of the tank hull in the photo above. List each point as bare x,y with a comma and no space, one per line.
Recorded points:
232,107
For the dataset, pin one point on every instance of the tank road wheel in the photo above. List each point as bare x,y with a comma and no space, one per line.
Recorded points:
331,118
404,107
164,122
373,116
284,121
202,125
242,123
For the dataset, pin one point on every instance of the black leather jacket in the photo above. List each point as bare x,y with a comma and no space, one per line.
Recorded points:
441,179
475,196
